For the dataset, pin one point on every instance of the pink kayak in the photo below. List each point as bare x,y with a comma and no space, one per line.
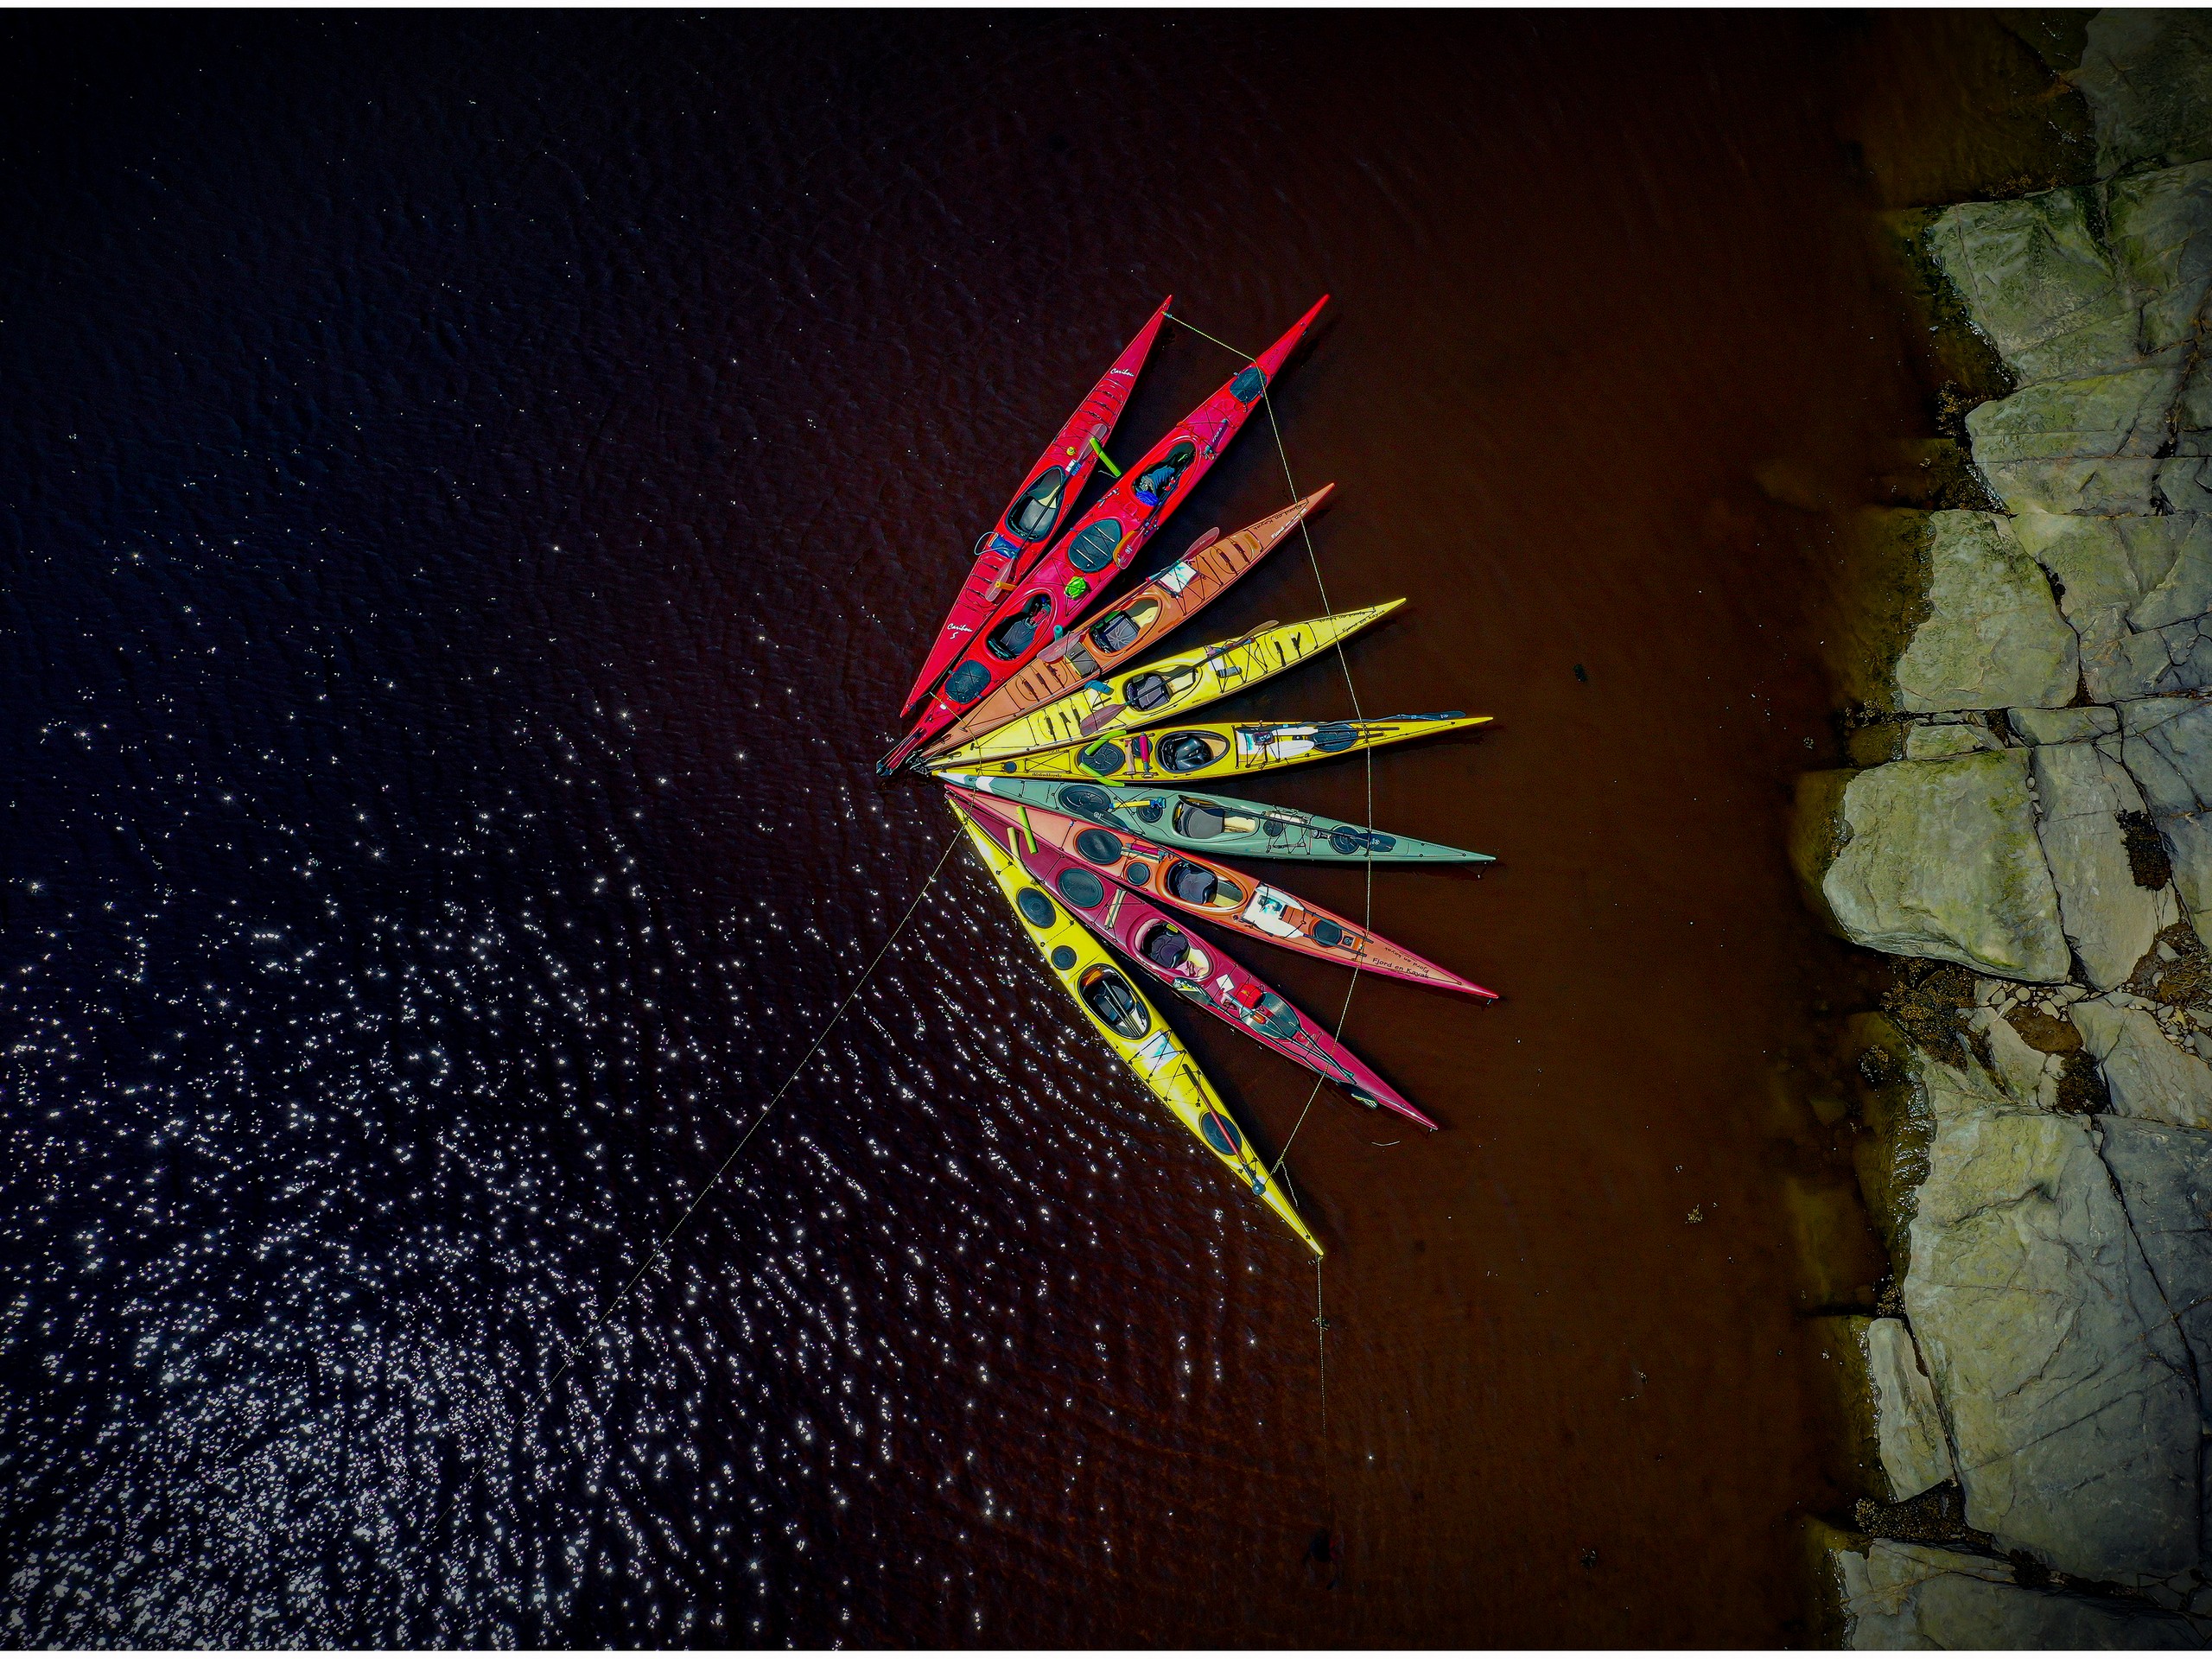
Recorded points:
1024,530
1098,547
1227,898
1200,973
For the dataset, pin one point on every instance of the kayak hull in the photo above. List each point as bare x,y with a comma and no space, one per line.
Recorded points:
1163,813
1194,883
1074,576
1134,625
1143,1041
1221,750
1019,536
1167,688
1205,974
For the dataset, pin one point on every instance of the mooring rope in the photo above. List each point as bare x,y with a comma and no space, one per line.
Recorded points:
1312,558
660,1249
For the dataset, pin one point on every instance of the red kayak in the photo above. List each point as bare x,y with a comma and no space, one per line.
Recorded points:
1098,546
1227,898
1007,550
1200,973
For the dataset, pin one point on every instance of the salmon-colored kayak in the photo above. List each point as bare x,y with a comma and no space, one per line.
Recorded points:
1221,895
1024,530
1071,578
1197,971
1134,624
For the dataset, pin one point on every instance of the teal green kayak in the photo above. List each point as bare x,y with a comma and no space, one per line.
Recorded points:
1215,823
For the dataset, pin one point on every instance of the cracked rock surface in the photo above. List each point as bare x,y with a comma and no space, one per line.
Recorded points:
2039,1154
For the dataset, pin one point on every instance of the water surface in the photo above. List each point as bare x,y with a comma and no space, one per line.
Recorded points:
474,492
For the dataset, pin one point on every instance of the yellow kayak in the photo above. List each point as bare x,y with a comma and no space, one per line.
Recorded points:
1162,689
1189,752
1120,1014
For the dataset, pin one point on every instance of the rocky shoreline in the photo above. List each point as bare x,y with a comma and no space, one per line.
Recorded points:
2028,822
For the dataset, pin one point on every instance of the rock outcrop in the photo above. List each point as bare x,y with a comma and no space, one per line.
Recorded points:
1899,1595
2040,1155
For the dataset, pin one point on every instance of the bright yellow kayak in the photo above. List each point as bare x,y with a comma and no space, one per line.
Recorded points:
1120,1014
1189,752
1163,689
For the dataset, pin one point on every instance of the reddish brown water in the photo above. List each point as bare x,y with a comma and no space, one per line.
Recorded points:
490,488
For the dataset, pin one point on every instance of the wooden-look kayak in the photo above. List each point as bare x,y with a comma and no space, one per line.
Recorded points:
1135,624
1220,825
1166,688
1193,882
1192,752
1005,552
1071,578
1200,972
1120,1013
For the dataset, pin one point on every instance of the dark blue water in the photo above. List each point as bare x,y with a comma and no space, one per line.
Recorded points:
472,492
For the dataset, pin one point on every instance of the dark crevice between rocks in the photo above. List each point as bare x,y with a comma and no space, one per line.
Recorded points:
1937,1516
1930,1001
2147,859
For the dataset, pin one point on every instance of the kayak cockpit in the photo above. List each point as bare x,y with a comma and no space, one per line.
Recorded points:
1157,482
1032,516
1169,948
1190,751
1109,997
1148,690
1204,820
1194,883
1018,633
1118,630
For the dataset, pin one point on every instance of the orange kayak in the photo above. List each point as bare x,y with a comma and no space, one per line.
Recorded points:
1147,616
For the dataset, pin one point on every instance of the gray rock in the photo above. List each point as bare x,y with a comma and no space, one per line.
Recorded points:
2040,283
2121,412
2109,920
2166,744
2147,76
2061,725
2137,590
2103,484
2148,1075
1939,858
2189,844
1895,1595
1993,637
2164,1175
1915,1454
2160,233
2066,1389
1936,742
